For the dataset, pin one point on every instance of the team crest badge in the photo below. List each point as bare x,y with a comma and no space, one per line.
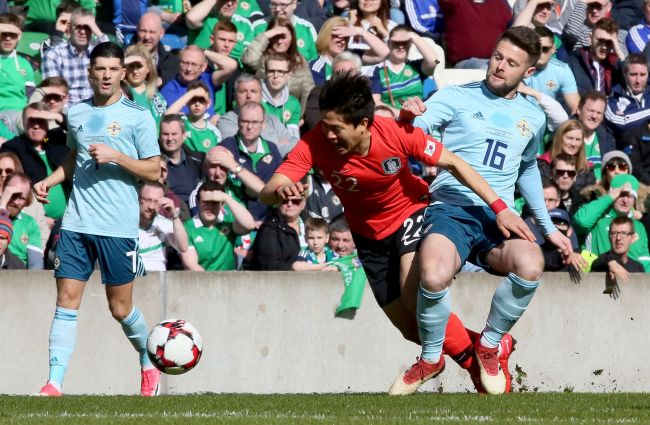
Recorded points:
550,84
244,5
286,116
300,43
391,165
225,231
206,143
23,72
240,36
408,72
24,239
114,128
267,159
622,105
523,127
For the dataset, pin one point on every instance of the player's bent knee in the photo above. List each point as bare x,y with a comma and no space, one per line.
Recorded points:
119,311
529,264
436,279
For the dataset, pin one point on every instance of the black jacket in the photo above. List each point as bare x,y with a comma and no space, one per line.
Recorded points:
638,141
276,245
55,150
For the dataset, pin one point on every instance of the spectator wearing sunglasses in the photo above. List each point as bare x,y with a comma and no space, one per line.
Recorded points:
593,220
564,173
569,140
53,91
614,163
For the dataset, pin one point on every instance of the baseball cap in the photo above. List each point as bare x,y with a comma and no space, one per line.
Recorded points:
621,179
558,214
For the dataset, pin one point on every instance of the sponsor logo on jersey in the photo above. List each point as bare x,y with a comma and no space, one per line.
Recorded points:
57,263
80,129
391,165
244,5
478,116
114,128
198,239
524,128
430,148
622,105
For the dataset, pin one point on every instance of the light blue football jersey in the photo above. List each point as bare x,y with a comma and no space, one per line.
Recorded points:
491,133
104,197
555,79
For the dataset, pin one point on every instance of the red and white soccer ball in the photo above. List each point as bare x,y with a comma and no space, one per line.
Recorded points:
174,346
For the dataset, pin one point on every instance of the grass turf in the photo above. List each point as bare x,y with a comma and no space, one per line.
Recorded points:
338,409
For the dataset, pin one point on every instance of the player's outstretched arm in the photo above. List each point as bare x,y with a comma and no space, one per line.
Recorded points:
507,221
280,187
62,173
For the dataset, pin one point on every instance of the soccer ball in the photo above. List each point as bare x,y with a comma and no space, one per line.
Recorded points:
174,346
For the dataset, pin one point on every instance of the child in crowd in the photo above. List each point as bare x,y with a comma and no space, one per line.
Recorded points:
318,254
16,72
201,135
275,93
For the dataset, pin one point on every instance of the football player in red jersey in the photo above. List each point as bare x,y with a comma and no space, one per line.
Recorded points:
365,158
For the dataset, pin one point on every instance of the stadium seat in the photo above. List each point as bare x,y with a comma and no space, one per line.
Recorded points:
30,43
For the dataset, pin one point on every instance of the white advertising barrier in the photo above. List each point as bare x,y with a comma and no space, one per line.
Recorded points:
276,333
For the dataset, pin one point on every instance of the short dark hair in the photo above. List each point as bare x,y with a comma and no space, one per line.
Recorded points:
208,186
526,39
196,84
339,224
622,220
224,25
544,32
609,25
107,49
316,224
562,156
13,19
634,59
55,81
350,96
66,6
546,183
145,183
592,95
169,118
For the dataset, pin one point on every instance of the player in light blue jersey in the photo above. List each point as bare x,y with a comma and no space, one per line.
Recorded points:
496,131
552,76
112,144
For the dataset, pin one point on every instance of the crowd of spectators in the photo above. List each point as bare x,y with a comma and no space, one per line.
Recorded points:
233,84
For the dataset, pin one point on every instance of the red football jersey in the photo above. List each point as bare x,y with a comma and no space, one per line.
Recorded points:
378,190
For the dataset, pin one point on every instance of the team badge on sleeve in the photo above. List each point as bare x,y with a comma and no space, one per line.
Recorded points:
523,127
391,165
430,148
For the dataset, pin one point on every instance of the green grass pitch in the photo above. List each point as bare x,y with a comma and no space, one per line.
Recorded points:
335,409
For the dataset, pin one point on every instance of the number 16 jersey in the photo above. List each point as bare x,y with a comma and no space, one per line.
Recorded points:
491,133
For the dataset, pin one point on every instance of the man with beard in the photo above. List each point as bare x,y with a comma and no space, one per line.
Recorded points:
498,132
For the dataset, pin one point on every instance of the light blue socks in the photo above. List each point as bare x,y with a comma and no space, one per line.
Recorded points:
135,328
433,310
63,336
509,302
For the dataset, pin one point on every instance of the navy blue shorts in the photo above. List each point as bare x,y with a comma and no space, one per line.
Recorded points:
472,229
381,258
118,258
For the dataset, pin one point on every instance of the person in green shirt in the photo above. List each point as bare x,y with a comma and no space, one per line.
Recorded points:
26,240
200,134
211,235
305,31
202,18
46,10
276,99
16,73
593,220
142,76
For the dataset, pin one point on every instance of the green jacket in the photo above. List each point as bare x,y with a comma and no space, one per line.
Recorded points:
593,219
